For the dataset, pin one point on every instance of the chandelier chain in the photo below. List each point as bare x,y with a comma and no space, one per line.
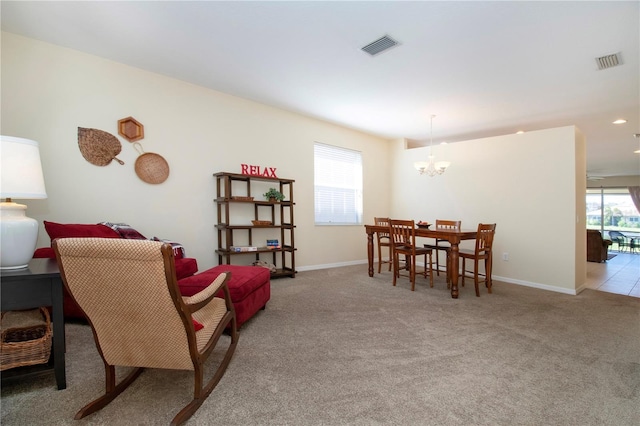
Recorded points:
431,168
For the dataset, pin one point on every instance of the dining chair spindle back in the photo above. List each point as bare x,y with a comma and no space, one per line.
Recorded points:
403,240
482,251
384,240
443,245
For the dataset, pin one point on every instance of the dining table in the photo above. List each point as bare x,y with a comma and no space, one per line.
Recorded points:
453,236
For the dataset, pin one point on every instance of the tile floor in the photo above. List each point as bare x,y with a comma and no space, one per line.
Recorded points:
619,275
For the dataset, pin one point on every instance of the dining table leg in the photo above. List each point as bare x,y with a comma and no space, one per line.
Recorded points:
455,267
370,252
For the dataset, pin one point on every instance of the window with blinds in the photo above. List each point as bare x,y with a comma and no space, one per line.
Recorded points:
337,185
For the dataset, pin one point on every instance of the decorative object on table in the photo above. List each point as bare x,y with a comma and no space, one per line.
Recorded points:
151,167
26,338
98,147
22,178
422,224
431,168
261,222
130,129
274,195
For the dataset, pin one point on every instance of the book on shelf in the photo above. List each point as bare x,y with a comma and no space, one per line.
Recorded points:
243,248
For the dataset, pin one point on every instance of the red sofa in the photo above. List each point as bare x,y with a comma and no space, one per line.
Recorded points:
250,286
185,266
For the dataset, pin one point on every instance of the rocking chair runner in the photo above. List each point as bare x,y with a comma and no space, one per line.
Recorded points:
129,294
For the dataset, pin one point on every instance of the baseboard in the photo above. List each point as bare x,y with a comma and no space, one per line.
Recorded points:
538,285
331,265
495,277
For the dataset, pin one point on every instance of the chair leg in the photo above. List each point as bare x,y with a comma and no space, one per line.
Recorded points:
412,273
488,266
430,267
396,268
437,263
379,257
475,276
112,390
200,392
464,271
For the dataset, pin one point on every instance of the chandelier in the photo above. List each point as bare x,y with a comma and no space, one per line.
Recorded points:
431,167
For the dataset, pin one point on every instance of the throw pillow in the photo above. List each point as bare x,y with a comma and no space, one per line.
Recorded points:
178,249
197,325
60,230
125,231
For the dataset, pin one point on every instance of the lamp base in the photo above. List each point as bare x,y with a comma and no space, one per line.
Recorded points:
18,236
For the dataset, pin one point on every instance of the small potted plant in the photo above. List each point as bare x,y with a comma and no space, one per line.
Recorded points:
274,195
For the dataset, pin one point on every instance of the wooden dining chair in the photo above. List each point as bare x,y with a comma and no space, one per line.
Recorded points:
384,240
482,251
443,245
403,239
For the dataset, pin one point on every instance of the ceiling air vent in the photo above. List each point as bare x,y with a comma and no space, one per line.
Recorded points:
379,45
608,61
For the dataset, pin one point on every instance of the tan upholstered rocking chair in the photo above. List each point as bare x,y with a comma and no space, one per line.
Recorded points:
128,292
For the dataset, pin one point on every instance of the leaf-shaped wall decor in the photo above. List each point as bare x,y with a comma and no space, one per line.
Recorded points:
98,147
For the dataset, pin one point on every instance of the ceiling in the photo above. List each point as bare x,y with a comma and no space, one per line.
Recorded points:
483,68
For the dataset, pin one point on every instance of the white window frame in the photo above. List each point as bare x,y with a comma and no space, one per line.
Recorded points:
337,185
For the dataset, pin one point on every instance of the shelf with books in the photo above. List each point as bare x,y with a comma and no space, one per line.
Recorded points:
267,222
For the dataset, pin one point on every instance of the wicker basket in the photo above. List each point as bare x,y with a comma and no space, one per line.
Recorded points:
261,222
26,338
152,168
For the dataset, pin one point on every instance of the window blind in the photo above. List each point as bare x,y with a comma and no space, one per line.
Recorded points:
337,185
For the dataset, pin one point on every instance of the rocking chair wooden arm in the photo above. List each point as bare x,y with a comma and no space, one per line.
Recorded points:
200,299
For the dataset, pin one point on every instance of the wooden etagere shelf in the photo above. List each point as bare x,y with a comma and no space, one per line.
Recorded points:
235,195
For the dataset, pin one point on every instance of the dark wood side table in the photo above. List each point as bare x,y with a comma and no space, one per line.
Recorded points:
38,285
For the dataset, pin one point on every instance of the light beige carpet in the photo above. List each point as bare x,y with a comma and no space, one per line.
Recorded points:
336,347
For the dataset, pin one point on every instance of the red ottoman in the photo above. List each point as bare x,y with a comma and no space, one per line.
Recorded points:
250,287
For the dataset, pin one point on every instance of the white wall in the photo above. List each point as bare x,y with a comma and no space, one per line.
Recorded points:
49,91
525,183
528,184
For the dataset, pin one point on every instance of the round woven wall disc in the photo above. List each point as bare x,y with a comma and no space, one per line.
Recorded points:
152,168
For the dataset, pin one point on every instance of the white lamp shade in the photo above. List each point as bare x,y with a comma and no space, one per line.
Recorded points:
21,177
21,170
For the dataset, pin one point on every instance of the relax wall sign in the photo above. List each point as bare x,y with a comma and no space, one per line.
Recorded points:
258,171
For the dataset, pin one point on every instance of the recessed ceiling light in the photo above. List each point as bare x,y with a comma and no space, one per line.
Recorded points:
519,132
620,121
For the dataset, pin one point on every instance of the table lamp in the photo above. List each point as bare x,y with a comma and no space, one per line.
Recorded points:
21,177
